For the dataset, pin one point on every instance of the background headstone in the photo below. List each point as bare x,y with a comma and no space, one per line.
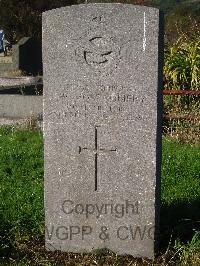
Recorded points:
26,56
102,127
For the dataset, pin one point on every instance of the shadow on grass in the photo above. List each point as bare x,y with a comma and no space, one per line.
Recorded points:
179,221
9,245
7,239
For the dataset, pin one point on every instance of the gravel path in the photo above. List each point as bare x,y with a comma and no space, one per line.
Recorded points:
19,81
9,122
18,122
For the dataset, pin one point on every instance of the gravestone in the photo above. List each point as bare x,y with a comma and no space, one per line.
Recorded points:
102,128
26,56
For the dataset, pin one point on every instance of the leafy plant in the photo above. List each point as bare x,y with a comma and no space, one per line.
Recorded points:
182,64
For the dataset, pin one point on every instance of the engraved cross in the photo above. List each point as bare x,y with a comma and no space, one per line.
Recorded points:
96,152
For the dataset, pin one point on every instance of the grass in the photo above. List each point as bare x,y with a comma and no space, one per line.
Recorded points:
22,212
21,186
180,190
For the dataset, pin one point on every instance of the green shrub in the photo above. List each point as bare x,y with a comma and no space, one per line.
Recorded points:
182,64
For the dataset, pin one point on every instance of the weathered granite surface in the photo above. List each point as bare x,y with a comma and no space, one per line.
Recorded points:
102,127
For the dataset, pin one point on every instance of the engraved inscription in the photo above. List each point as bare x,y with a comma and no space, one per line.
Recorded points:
104,102
99,51
98,19
99,54
96,151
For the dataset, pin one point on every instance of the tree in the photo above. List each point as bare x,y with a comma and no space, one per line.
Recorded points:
24,17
